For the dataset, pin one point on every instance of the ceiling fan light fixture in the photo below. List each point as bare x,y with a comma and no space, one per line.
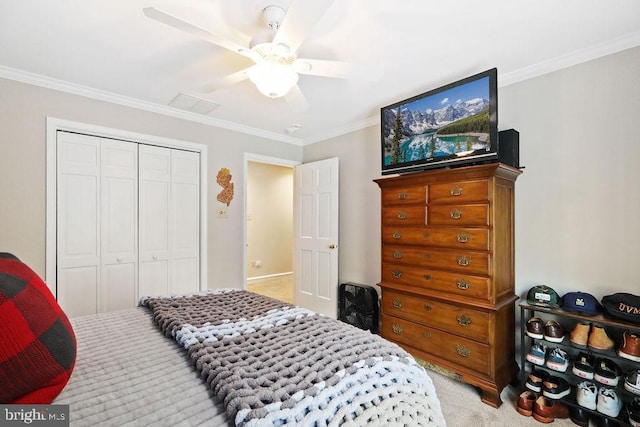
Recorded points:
273,79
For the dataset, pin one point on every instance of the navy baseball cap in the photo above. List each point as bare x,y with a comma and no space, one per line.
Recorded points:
543,296
581,302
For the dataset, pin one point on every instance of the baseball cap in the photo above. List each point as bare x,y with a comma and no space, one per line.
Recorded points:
581,302
543,296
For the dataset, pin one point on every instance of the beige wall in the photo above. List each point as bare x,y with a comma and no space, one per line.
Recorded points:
577,204
23,112
269,219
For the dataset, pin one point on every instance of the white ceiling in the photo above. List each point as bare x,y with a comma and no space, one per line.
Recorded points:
110,50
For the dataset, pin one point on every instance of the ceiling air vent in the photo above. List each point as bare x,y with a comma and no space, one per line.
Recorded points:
193,104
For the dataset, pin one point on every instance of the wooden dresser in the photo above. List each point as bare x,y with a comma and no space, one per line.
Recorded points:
448,271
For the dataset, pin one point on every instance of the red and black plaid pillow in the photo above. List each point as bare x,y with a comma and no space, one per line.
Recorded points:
37,343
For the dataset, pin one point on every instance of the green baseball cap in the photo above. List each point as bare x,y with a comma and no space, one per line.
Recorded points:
544,296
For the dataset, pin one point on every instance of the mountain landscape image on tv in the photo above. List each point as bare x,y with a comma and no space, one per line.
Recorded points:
448,123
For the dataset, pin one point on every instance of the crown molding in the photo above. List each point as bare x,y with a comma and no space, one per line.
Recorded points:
89,92
574,58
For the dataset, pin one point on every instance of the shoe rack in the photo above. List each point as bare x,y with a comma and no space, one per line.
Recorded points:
568,320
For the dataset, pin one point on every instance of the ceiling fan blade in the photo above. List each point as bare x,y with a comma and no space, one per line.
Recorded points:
299,20
229,80
296,99
338,69
177,23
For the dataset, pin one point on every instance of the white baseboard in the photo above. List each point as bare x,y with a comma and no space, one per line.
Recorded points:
269,276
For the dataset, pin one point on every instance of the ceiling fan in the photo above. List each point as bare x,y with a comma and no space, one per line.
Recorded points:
272,49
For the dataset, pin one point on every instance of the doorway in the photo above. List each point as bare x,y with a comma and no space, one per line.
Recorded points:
269,227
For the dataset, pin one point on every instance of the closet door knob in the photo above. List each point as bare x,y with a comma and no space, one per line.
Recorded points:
155,257
118,259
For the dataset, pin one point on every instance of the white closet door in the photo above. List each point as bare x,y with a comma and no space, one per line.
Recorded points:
155,188
185,221
119,224
78,213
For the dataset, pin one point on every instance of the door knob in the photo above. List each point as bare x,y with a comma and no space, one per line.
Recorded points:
332,246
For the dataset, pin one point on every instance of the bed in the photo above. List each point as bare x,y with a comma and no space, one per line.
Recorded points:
219,358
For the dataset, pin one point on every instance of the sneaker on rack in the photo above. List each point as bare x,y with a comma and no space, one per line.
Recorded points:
586,395
583,366
607,372
599,340
537,353
630,348
608,402
553,332
633,408
558,360
555,388
579,336
535,379
535,328
525,403
632,381
546,410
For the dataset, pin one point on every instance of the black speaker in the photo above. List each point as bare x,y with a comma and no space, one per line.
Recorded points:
509,147
358,306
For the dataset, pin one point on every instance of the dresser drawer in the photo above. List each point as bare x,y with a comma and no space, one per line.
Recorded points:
472,324
400,215
404,195
468,238
459,192
459,350
468,262
454,283
458,214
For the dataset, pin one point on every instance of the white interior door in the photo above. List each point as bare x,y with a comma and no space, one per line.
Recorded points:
185,221
119,224
316,236
154,187
78,227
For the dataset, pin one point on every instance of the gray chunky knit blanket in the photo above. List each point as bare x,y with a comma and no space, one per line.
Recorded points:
272,363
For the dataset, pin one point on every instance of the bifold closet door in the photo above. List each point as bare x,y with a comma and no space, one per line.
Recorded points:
78,227
169,220
185,222
155,189
119,224
97,224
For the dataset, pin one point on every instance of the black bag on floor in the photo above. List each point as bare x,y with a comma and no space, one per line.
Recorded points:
622,306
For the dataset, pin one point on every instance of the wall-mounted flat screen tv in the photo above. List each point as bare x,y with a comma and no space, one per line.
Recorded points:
452,125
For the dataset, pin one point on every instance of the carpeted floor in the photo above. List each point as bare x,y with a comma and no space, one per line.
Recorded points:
461,406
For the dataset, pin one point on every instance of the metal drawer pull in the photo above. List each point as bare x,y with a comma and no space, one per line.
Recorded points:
397,274
397,254
397,329
396,235
397,303
463,284
463,237
463,320
427,334
463,351
402,215
455,213
456,191
428,307
464,261
427,277
402,196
